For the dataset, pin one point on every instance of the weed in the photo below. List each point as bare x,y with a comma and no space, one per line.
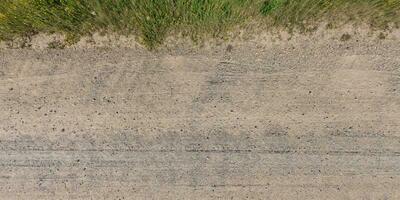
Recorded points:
345,37
271,5
382,36
153,20
56,45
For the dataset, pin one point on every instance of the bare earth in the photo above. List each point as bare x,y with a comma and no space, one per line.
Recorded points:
302,119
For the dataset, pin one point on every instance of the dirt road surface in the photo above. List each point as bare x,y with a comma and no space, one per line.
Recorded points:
315,119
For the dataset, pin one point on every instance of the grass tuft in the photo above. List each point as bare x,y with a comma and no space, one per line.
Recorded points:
271,5
153,20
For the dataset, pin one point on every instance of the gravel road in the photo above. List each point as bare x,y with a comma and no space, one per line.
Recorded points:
316,119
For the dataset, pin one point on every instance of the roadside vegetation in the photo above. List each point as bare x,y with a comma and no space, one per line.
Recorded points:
153,20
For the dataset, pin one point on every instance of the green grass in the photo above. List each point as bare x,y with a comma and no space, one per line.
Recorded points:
153,20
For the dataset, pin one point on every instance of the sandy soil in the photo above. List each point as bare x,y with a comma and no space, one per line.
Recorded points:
309,118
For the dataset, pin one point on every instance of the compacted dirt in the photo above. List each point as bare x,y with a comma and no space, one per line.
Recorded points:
300,119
